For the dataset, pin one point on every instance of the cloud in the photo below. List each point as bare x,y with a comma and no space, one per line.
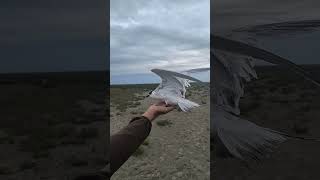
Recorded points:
158,34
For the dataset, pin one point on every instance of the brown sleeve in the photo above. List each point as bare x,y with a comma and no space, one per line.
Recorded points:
125,142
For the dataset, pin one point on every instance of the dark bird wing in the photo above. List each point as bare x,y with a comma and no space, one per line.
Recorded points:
232,67
229,45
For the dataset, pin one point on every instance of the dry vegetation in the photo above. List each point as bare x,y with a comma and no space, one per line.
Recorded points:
178,146
45,123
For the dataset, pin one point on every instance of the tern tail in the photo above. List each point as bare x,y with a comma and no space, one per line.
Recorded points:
243,139
186,105
246,140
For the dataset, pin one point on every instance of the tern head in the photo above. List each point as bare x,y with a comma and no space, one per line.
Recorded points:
150,93
153,94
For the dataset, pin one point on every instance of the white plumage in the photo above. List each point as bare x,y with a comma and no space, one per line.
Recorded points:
172,89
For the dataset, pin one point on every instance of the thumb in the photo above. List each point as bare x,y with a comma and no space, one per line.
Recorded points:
169,108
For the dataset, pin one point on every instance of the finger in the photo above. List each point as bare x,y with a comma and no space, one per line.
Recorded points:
169,108
161,103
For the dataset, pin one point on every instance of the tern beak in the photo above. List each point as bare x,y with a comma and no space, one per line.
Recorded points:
149,94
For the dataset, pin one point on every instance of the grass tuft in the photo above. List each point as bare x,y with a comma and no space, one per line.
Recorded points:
164,123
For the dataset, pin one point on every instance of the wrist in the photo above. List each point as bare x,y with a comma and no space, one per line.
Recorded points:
149,115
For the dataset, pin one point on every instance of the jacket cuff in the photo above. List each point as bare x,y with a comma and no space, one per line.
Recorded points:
139,118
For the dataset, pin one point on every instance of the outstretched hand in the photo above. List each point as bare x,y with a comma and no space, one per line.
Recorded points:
157,109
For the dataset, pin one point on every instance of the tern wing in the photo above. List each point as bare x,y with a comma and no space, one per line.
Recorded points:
162,72
173,80
169,83
229,77
242,138
278,28
173,86
231,71
229,45
196,70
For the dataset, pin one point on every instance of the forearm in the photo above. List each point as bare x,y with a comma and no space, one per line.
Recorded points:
124,143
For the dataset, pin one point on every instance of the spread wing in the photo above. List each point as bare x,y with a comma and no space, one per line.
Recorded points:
233,66
279,28
197,70
173,81
173,87
162,72
240,137
236,47
169,82
190,71
230,74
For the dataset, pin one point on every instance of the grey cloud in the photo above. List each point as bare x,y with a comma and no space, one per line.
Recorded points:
146,34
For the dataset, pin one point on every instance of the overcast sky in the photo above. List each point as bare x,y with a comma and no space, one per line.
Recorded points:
232,14
59,35
146,34
300,47
52,35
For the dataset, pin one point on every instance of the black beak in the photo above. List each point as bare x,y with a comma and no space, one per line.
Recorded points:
149,94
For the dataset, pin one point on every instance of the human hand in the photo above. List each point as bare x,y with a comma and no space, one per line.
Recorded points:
157,109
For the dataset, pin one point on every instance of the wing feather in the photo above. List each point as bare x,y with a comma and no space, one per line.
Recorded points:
242,138
229,45
229,77
174,82
233,67
174,74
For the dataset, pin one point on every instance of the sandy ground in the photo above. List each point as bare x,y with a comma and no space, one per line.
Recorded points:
178,146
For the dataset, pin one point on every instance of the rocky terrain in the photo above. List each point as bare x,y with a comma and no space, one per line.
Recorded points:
44,135
178,146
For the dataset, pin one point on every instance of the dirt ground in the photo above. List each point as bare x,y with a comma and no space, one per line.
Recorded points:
178,145
53,129
42,140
